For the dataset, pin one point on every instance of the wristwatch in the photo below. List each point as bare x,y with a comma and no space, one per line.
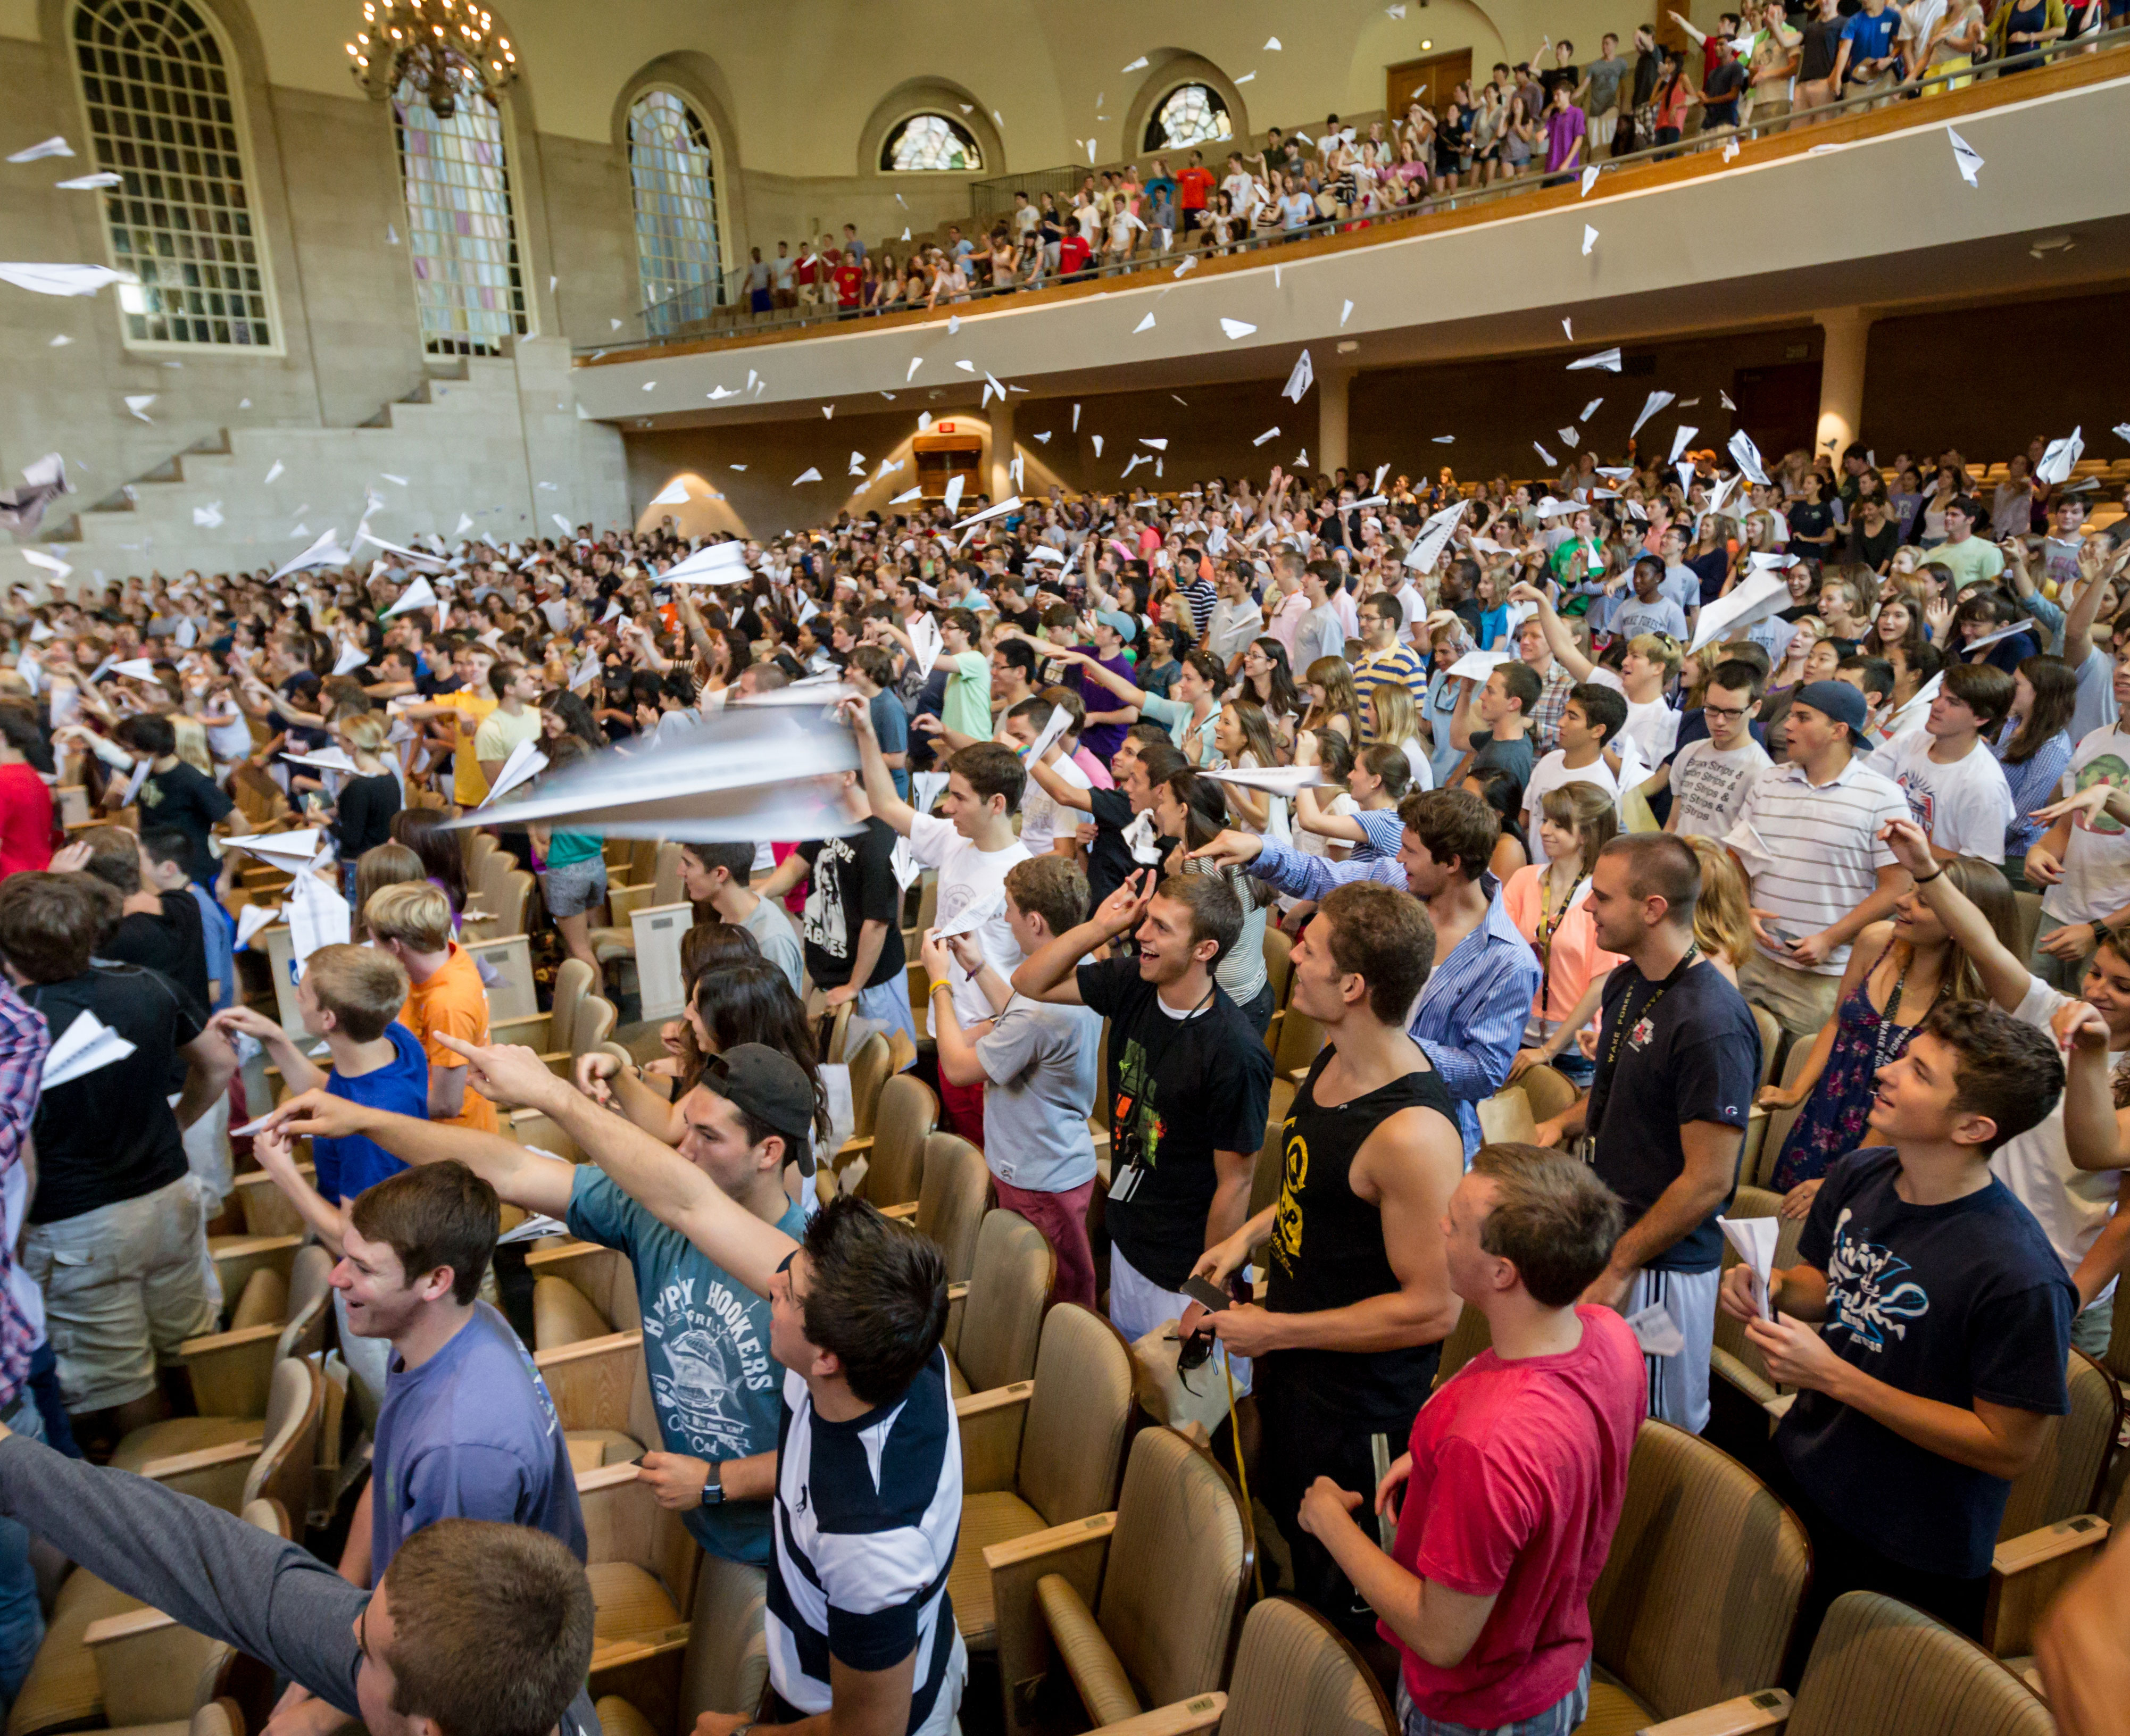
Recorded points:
713,1494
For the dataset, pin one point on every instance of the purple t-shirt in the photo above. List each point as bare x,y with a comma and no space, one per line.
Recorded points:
1103,739
1564,129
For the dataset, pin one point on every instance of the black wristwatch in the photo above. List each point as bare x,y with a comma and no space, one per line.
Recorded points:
714,1485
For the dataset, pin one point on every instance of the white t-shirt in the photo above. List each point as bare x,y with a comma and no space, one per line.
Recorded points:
2072,1205
969,878
1550,773
1708,787
1041,818
1652,726
2096,876
1965,807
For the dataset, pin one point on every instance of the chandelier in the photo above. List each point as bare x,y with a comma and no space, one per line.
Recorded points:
447,50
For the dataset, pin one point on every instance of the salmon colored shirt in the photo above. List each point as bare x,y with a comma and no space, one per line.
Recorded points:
1574,956
453,1002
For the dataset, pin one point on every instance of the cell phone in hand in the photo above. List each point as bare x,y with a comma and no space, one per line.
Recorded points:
1208,1296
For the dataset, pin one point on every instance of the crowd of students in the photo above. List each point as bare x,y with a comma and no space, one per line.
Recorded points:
1460,746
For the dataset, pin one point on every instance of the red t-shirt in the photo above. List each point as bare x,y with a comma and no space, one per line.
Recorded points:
1519,1470
1194,185
26,821
1071,253
850,282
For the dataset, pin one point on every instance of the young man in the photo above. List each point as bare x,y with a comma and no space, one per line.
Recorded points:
1955,786
1965,556
867,1477
514,720
1486,1590
716,874
1045,824
1036,1064
705,1336
116,1237
1236,619
1710,777
972,846
350,996
1189,1081
174,794
1345,1345
1555,684
1807,837
1943,1322
1679,1057
1644,672
1386,659
967,707
465,709
871,671
1470,1018
852,924
1594,715
2084,861
1503,705
445,996
1320,632
166,854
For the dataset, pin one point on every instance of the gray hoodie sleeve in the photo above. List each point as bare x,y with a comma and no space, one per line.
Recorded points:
207,1568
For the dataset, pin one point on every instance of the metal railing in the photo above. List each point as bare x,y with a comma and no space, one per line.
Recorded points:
677,323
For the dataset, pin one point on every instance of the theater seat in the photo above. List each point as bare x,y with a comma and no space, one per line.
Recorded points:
993,1327
275,1317
951,1203
230,1462
725,1664
1038,1454
886,1166
641,1566
1880,1666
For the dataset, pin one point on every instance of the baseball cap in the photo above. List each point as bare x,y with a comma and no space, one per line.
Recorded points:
1836,700
772,1088
1119,623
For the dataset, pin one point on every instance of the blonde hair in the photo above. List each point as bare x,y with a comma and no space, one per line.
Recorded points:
1722,927
1397,719
416,915
361,987
363,732
1658,648
188,741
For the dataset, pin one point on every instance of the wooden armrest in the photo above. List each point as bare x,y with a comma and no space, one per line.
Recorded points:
1075,1552
991,1425
2026,1573
114,1627
907,1209
997,1398
573,1249
957,1293
1177,1718
606,1476
634,1649
204,1458
1759,1711
1058,1540
855,1145
217,1341
241,1247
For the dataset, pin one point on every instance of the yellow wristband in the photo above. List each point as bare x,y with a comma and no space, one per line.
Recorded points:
941,982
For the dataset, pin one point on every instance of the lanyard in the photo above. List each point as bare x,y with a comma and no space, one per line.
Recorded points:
1649,1006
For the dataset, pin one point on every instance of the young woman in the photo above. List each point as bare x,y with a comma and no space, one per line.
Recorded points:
1548,902
1397,721
1898,629
1499,789
1270,682
363,810
1244,740
2034,747
1722,920
1984,611
1191,810
442,857
1898,971
1376,782
573,876
1328,683
385,864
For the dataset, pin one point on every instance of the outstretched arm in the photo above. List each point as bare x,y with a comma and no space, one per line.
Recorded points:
520,1176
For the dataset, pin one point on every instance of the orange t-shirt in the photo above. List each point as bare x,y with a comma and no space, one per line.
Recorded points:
453,1001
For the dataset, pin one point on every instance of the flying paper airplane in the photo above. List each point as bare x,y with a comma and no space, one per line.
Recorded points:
55,147
1965,158
1299,381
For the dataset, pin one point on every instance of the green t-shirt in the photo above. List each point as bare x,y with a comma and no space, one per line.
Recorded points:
565,847
1970,562
967,710
716,1388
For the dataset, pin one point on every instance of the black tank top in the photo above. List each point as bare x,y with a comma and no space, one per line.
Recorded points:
1327,1250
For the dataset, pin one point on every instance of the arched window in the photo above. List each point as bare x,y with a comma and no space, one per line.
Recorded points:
1189,115
670,176
163,117
460,234
926,142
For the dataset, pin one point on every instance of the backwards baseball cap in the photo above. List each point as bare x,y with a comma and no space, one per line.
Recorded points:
772,1088
1837,700
1118,622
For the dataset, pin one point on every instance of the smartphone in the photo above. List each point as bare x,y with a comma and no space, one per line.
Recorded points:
1209,1297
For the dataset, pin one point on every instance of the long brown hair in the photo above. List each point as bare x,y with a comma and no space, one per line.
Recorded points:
2055,684
1983,884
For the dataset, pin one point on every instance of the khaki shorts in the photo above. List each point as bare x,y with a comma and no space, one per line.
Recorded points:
124,1286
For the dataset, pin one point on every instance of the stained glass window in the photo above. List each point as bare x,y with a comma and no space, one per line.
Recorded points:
459,231
670,177
926,142
1189,115
163,117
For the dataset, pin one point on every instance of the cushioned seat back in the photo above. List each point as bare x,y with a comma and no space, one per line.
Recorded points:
869,1069
728,1657
1074,1443
595,1020
1880,1666
950,1205
310,1293
1754,1202
562,1316
1009,1286
573,982
1701,1590
1269,1170
895,1171
1175,1571
1295,1675
2064,1476
1467,1338
1547,1091
282,1470
264,1301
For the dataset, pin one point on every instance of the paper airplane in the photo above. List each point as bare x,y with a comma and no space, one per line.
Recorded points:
326,759
1551,460
1749,457
1145,324
208,518
1433,538
48,279
1281,780
1590,240
1680,435
413,557
1589,410
87,1045
55,147
526,762
1299,381
324,552
136,668
808,474
1137,65
1754,1240
90,183
1654,403
138,404
674,493
2057,463
1589,180
281,848
1271,433
1965,158
251,919
906,496
1272,45
1235,328
420,594
1343,313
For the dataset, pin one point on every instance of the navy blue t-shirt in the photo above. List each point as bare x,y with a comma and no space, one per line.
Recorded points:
346,1167
1955,1302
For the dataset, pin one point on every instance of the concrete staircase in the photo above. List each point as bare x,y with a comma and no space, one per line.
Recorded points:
496,440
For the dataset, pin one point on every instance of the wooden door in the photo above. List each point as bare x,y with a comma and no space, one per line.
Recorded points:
1431,80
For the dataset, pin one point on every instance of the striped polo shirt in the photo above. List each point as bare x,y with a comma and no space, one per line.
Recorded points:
1813,850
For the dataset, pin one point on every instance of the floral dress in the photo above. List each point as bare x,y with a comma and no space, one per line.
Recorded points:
1830,1122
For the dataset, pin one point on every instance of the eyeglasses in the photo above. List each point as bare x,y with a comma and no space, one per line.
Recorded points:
1732,712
